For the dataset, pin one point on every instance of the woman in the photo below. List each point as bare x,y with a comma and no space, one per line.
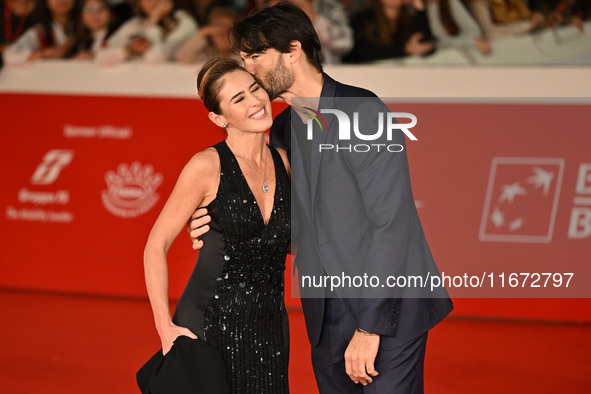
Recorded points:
17,18
389,29
234,298
50,38
153,35
97,24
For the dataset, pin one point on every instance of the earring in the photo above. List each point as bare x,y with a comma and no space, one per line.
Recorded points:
224,125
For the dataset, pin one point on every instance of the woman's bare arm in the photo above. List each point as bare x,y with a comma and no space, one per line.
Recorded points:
196,186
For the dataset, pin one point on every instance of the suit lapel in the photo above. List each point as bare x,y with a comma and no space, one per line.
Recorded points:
326,101
300,189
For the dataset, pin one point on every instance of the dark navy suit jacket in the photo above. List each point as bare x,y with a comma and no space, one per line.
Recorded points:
357,214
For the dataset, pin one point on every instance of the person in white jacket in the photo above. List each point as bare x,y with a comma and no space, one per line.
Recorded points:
50,38
153,35
454,27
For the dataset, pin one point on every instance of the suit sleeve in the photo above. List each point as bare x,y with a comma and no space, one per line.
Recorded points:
383,180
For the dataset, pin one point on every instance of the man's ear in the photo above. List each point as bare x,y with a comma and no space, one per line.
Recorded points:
219,120
295,51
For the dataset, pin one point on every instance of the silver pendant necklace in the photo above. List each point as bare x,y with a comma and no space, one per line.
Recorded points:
265,187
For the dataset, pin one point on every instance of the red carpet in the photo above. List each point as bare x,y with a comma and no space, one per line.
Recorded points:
87,345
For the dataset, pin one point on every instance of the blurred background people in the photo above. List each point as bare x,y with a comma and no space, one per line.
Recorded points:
200,9
122,10
389,29
569,11
17,17
504,18
353,6
331,23
97,23
154,34
50,38
454,27
211,40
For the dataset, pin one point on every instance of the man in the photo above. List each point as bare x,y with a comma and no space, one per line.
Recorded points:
359,344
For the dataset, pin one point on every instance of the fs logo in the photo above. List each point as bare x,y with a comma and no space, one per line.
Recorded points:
522,199
51,165
345,124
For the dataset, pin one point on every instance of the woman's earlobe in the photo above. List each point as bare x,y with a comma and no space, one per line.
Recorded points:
217,119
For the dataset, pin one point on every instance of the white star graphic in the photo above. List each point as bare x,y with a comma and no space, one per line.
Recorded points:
498,218
510,191
516,224
541,179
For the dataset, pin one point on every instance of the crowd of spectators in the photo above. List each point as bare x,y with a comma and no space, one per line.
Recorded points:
192,31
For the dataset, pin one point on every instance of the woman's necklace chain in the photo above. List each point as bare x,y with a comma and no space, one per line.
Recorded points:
265,187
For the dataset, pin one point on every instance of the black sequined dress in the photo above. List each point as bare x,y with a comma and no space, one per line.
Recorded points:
234,297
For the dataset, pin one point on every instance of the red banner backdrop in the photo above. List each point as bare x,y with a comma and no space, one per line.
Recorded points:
85,177
472,160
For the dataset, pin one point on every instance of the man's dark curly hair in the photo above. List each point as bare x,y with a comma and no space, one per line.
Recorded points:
276,27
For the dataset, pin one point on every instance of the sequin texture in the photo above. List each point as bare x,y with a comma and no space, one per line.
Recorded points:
245,317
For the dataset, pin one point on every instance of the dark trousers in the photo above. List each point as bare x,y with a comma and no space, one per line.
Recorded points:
399,362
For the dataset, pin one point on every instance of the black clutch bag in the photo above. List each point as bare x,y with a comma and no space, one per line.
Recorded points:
191,366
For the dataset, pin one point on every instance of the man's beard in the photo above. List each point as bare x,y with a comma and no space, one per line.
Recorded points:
278,80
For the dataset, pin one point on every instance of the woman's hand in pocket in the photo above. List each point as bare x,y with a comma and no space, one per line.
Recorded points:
170,332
